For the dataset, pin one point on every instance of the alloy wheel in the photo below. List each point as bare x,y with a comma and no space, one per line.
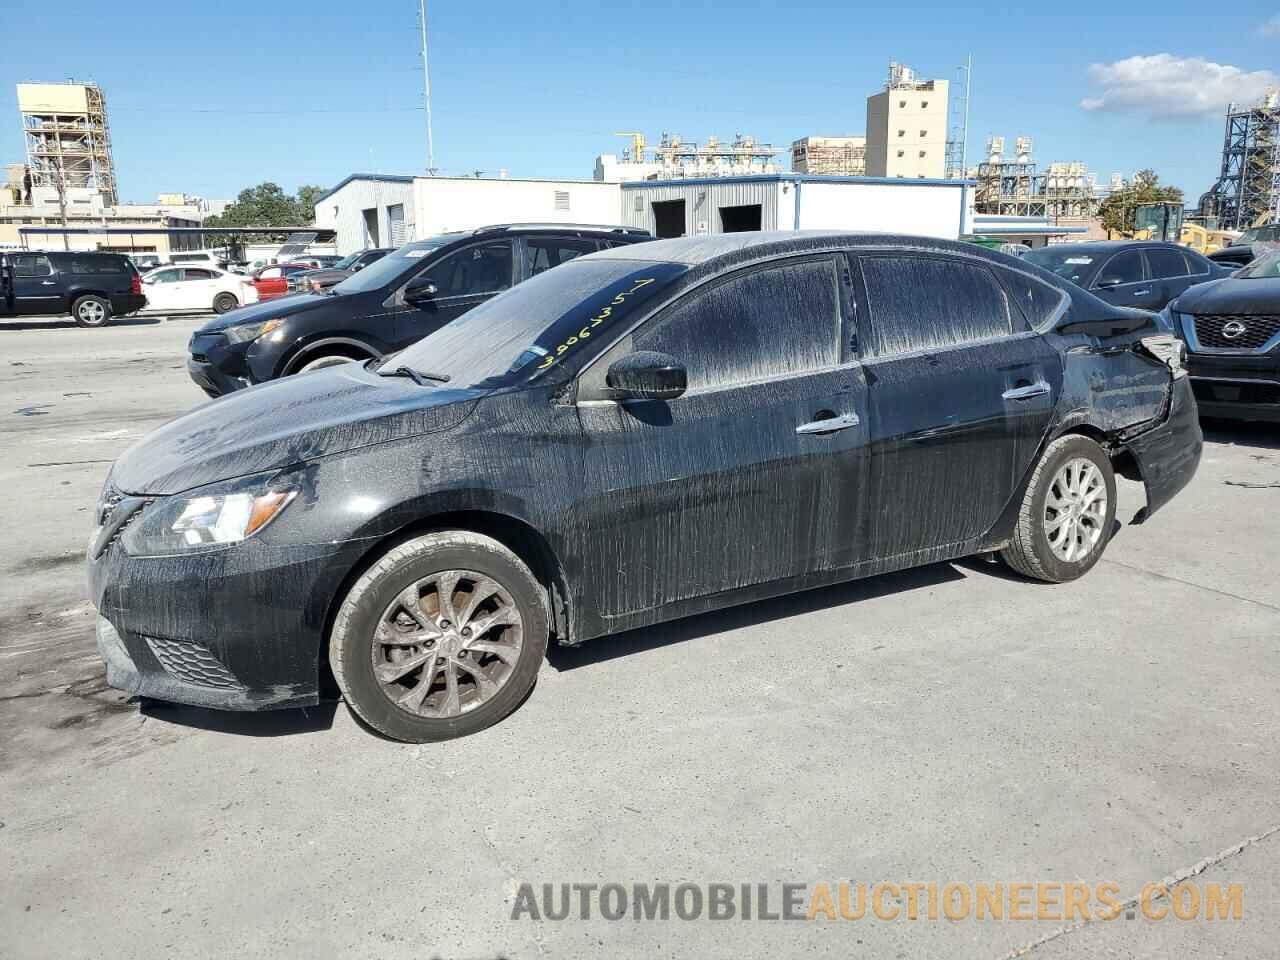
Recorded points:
91,312
1075,509
447,644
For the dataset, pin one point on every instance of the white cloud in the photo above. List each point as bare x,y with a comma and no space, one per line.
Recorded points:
1271,28
1164,86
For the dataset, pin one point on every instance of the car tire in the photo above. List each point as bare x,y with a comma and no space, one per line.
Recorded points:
91,311
1062,529
328,360
225,303
381,649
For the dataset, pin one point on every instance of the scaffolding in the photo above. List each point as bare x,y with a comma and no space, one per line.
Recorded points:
68,140
1247,193
832,156
1016,188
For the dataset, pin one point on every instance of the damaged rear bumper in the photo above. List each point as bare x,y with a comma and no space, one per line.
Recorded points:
1169,454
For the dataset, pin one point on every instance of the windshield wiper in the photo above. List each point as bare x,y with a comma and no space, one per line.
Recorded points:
420,377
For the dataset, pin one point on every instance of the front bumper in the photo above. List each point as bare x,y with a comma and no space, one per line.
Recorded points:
238,629
216,365
1241,387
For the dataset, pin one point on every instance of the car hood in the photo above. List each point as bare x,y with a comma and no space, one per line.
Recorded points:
283,423
1231,295
266,310
326,274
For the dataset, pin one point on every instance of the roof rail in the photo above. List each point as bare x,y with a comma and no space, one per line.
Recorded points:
596,227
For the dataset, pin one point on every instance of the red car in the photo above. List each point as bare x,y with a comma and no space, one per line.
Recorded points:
273,281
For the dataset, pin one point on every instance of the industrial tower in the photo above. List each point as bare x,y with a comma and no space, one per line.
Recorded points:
68,141
1247,193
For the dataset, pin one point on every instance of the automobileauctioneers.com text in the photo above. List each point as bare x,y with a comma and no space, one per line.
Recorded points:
884,901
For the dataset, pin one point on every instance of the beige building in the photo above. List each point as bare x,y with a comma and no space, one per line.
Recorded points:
907,127
831,156
85,211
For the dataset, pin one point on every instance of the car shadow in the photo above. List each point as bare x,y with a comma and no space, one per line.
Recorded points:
1242,433
640,640
69,324
267,723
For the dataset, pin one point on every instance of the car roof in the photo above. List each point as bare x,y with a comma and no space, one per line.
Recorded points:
1108,246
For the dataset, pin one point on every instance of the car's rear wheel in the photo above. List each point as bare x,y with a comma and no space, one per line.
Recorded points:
225,302
441,637
1067,512
328,360
91,311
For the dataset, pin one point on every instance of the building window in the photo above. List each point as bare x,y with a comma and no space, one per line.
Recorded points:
921,154
924,104
902,153
902,103
902,133
923,134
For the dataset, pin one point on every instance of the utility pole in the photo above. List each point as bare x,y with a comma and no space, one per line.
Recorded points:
426,89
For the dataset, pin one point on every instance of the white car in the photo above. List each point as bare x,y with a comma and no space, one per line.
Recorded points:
196,290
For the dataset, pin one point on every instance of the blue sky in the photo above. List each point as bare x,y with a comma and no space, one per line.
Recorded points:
210,97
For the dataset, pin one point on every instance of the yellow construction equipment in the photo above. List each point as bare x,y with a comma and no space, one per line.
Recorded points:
637,144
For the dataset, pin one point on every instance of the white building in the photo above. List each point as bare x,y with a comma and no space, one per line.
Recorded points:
674,208
907,127
368,210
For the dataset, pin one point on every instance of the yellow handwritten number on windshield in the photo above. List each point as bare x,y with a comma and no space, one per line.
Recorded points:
594,322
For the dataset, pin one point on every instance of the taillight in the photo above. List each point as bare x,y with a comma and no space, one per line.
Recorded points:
135,283
1168,350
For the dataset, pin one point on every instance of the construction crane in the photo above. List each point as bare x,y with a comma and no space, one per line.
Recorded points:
637,144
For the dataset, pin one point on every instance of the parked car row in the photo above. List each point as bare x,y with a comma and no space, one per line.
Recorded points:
738,416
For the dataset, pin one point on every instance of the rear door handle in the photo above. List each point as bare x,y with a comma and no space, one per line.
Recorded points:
1037,389
48,283
830,425
1141,293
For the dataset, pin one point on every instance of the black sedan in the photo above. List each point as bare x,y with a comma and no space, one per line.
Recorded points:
1232,332
1129,273
646,433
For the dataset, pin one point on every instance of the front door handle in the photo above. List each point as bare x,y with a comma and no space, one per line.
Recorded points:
48,283
1141,293
1037,389
830,425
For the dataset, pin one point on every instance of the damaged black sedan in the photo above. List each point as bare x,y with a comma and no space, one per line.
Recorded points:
641,434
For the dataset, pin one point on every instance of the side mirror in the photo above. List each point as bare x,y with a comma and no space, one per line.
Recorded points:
647,375
420,290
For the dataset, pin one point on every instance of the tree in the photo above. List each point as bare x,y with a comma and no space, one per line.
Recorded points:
267,205
1118,209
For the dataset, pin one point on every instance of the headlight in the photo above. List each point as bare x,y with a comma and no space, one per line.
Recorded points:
207,519
242,332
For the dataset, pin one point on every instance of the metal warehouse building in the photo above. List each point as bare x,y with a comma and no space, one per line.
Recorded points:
675,208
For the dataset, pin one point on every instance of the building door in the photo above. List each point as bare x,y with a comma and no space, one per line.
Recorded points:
371,228
740,219
395,224
668,218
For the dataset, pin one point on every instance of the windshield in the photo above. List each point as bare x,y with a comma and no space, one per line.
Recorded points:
347,261
1267,268
1070,265
527,331
391,267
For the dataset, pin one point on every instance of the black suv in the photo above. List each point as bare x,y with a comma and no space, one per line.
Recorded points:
388,305
91,287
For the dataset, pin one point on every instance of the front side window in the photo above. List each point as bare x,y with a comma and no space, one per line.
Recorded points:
29,266
1166,263
924,303
776,321
484,268
1122,268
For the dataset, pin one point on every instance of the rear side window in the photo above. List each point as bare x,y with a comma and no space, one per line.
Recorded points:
31,266
98,265
1166,263
1034,299
926,303
193,273
776,321
545,253
1122,268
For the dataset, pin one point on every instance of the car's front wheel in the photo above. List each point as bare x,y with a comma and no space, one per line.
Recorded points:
441,637
1067,512
91,311
328,360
